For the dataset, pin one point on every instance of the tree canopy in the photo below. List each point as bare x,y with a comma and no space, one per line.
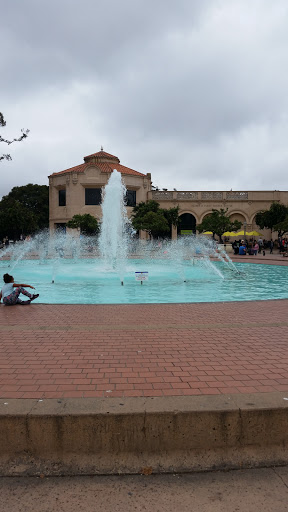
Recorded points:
6,156
24,211
218,222
276,218
87,223
153,219
282,227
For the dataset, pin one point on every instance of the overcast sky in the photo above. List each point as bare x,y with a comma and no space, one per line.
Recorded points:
193,91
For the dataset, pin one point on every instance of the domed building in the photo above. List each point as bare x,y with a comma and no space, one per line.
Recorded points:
78,190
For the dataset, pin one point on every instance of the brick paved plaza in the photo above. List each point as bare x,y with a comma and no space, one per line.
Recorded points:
53,351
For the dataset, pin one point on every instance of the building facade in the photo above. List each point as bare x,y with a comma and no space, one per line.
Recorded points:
242,206
78,191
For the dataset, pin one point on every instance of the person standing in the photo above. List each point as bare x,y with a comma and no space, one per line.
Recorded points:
255,249
260,243
271,246
242,249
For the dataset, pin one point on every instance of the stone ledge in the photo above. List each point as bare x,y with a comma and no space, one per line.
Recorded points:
114,436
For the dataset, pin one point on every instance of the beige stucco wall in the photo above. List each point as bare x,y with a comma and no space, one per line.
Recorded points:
75,184
242,205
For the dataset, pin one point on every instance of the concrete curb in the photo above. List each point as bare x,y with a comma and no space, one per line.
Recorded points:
134,435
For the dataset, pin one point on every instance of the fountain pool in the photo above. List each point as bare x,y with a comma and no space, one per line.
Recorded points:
88,281
73,269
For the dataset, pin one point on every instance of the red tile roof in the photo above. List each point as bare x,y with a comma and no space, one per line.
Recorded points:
106,167
77,168
104,161
102,154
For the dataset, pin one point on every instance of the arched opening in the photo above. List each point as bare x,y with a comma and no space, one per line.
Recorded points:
205,215
238,216
187,224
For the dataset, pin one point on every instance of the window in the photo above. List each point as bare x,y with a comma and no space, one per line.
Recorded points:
131,198
93,196
62,197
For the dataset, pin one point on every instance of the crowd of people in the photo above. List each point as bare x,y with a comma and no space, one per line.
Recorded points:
260,246
6,242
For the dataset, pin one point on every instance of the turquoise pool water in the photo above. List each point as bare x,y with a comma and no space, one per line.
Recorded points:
89,282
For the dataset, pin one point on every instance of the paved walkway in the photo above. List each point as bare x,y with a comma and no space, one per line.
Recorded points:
249,490
268,259
53,351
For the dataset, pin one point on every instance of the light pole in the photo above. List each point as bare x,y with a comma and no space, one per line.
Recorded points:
245,227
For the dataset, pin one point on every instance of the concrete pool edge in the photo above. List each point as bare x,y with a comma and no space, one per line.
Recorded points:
134,435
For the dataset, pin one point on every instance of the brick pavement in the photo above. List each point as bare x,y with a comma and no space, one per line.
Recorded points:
51,351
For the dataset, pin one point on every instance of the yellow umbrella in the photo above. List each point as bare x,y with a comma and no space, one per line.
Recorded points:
207,233
254,233
241,233
228,233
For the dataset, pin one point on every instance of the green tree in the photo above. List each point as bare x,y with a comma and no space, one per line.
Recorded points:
218,222
273,218
16,220
8,142
87,223
282,227
172,216
153,219
24,211
154,223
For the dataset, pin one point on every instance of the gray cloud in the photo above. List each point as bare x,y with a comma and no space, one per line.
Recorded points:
194,92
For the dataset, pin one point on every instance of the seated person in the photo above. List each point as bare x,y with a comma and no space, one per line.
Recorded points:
242,249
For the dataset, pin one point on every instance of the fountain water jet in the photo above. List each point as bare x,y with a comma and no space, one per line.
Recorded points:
113,240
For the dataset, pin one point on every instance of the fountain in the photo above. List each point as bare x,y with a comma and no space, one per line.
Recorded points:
91,270
113,240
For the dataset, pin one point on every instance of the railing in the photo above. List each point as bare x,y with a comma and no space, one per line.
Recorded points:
204,196
236,196
159,194
187,195
211,195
